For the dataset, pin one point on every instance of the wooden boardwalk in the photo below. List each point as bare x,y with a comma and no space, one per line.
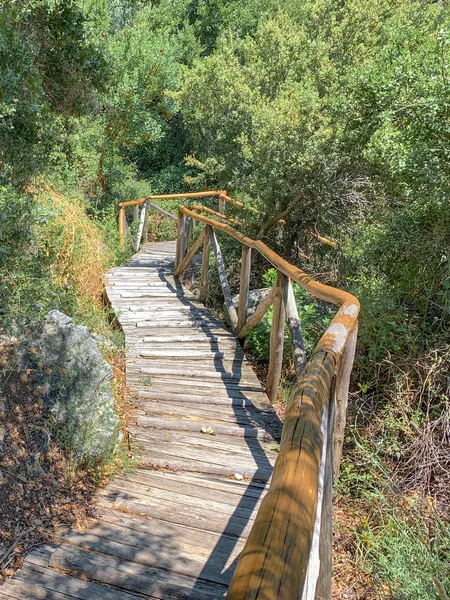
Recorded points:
206,436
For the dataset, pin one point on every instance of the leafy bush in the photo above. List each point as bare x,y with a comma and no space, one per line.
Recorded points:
314,316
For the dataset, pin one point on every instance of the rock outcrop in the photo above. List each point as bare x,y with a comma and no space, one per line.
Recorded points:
74,381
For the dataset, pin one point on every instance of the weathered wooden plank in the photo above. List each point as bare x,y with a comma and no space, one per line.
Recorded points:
248,494
37,583
160,553
185,425
129,576
162,496
199,518
230,461
141,526
193,399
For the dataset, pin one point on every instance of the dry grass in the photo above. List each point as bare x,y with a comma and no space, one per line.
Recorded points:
82,257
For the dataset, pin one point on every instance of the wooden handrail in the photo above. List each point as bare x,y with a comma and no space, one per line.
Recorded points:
208,193
336,335
288,553
146,201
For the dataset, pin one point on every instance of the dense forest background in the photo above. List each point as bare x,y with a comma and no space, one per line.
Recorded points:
334,115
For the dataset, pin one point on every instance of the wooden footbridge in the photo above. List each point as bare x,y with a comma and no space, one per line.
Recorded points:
226,502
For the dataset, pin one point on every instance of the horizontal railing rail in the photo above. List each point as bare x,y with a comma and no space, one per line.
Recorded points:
146,202
288,553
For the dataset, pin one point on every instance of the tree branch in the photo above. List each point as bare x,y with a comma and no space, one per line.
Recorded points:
287,211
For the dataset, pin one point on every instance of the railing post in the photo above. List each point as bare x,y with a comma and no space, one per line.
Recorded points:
122,226
344,369
203,292
276,340
145,231
142,224
295,328
323,590
136,212
222,205
224,281
318,577
246,262
182,238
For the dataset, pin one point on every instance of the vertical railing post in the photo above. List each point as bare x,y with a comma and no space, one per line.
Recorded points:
136,212
204,275
142,224
323,589
182,237
295,327
246,261
145,231
318,576
344,369
122,226
276,341
222,205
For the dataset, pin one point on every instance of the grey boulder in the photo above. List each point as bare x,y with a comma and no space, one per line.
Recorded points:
74,381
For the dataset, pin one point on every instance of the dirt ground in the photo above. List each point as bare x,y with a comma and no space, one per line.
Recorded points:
39,490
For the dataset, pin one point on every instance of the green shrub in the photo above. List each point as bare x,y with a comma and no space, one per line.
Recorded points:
314,317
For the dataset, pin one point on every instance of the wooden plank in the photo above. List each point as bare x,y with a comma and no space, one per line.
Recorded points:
246,494
181,398
199,518
37,583
241,416
246,262
198,373
159,553
141,526
276,343
234,458
131,577
184,425
163,496
224,281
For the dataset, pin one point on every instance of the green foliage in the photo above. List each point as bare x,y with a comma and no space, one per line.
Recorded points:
314,317
403,541
48,68
27,288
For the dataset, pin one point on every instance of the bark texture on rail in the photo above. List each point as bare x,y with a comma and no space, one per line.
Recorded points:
275,559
